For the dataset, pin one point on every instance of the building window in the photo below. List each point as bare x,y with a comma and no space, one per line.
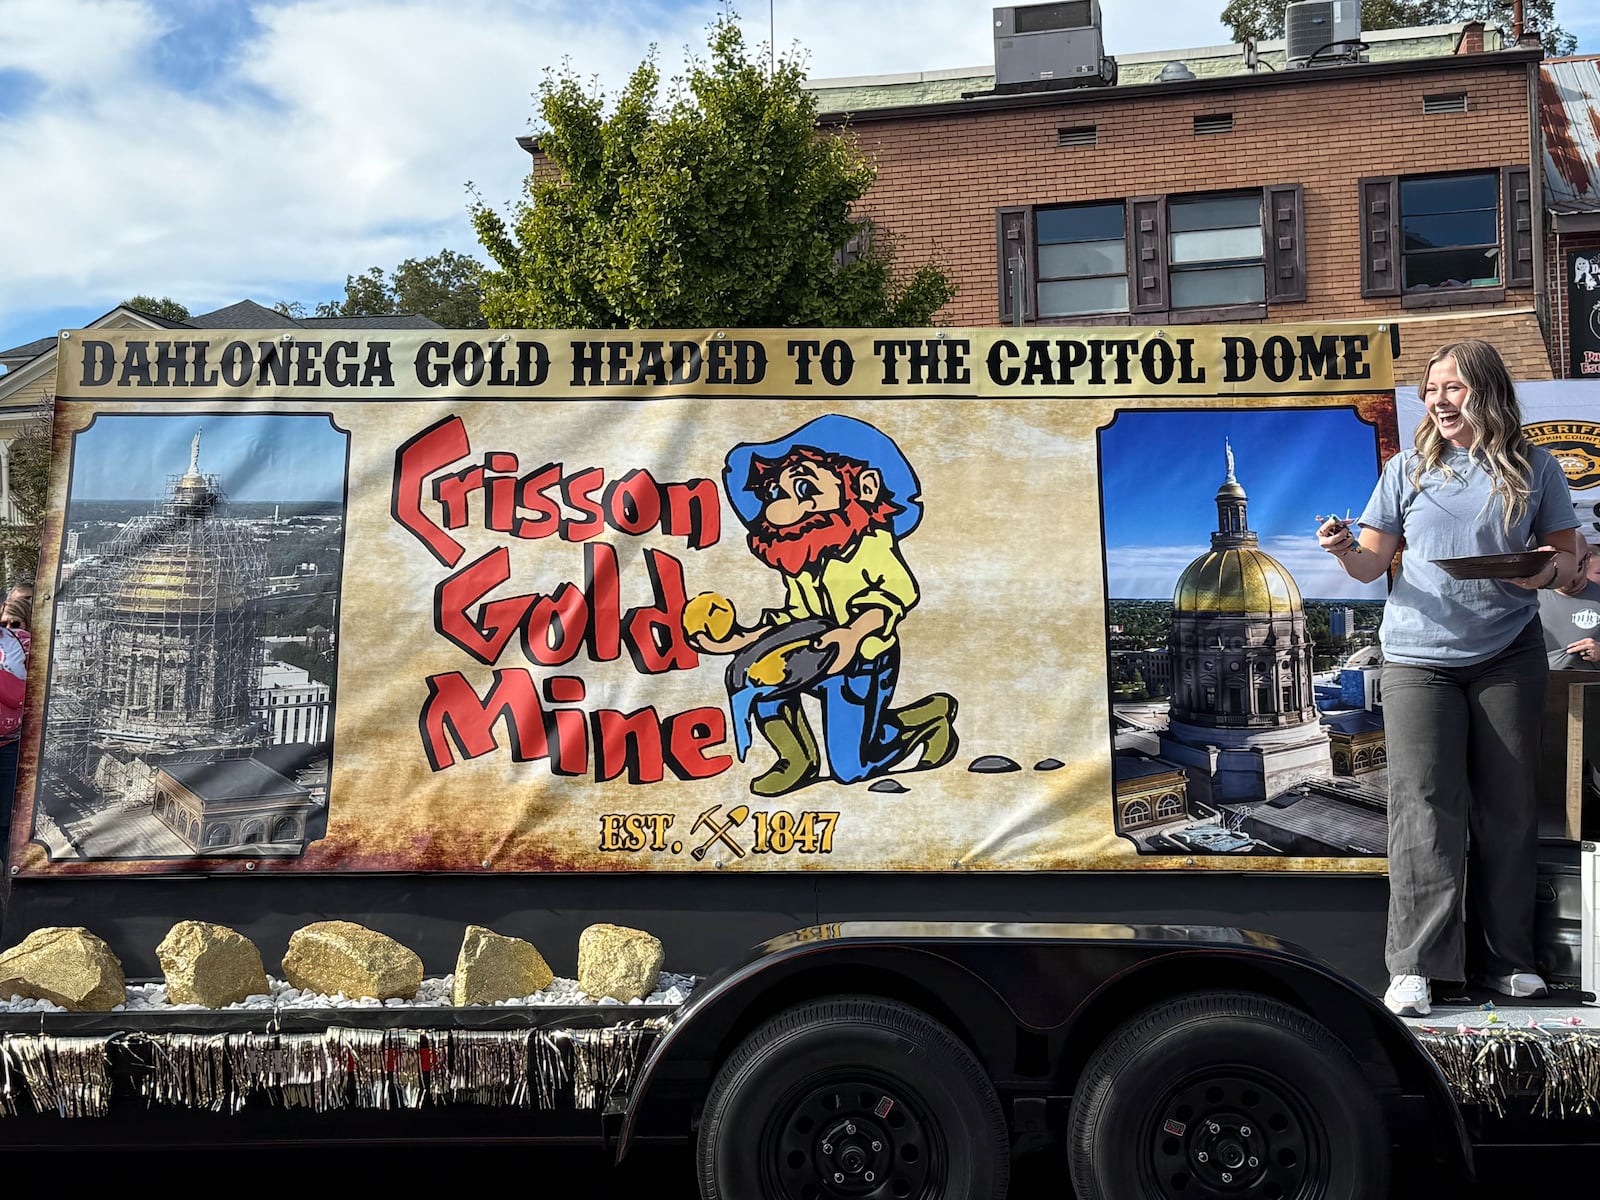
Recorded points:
1083,260
1449,232
1441,239
1216,254
1210,256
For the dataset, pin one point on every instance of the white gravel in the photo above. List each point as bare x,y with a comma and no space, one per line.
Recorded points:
434,993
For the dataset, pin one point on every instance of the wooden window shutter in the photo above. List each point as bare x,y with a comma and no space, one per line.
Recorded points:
1517,205
1147,253
1014,240
1380,235
1283,214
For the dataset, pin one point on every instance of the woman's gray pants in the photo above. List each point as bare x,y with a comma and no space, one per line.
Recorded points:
1463,745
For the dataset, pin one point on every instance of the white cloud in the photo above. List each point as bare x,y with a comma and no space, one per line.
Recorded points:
345,132
1153,571
76,43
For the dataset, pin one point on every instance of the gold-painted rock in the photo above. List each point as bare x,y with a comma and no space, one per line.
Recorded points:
66,966
343,958
493,967
614,960
210,965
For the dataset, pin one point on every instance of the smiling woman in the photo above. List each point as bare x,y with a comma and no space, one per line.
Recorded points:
1464,673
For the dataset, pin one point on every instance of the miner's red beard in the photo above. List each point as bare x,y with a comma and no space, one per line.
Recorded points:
792,548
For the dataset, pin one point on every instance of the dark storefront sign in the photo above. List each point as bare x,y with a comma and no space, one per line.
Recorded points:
1583,307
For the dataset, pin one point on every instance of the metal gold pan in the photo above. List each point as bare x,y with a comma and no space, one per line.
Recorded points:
802,664
1497,566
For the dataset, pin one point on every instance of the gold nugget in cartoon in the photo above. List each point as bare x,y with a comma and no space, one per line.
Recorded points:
827,507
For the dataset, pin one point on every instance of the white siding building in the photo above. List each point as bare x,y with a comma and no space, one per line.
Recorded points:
291,705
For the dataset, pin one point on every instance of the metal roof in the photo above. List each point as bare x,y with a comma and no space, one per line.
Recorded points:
1569,114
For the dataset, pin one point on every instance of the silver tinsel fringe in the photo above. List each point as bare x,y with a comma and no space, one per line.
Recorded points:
325,1071
188,1069
69,1076
604,1062
484,1066
1551,1073
10,1091
1556,1074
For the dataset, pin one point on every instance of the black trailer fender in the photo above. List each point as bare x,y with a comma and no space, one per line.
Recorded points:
1031,1001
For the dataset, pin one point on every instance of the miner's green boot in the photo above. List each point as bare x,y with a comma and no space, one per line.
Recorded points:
798,759
931,724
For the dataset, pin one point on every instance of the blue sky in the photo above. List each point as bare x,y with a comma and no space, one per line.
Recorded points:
218,150
256,457
1160,472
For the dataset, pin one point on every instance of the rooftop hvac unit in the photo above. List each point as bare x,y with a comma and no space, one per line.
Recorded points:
1039,46
1322,31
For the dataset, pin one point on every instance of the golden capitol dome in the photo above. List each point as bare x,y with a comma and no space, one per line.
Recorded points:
1244,580
1235,575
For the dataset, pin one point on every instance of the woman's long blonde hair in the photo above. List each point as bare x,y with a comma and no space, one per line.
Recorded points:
1491,409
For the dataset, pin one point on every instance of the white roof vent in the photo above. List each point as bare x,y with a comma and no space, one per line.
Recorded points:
1174,72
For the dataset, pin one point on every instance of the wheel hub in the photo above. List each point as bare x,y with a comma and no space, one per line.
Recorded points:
1232,1137
855,1142
858,1151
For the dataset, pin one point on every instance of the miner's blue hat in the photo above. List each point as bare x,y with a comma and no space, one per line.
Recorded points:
832,434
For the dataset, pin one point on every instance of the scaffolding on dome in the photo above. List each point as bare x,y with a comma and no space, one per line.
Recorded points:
157,645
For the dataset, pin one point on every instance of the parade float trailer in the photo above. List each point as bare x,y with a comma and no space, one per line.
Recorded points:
988,683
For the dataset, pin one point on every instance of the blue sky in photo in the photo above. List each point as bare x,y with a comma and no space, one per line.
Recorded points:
1160,471
257,456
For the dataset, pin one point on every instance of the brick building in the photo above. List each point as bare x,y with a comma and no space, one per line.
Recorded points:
1391,189
1569,112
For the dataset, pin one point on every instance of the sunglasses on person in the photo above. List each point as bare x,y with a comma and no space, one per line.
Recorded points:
13,623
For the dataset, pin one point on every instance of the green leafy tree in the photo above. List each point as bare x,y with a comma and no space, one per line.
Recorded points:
722,204
1259,19
30,490
444,287
165,307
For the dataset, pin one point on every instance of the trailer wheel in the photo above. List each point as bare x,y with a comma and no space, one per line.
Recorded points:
1226,1094
849,1098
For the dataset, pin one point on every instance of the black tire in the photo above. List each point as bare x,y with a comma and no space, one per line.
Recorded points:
852,1086
1226,1095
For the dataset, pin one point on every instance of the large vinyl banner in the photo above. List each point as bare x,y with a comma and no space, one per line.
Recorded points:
905,600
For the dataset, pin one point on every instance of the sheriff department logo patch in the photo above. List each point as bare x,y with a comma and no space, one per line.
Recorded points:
1575,445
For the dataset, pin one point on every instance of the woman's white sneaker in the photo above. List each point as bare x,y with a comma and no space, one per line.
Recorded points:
1523,983
1409,996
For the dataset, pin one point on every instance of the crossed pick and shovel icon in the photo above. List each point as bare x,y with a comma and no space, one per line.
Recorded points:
719,831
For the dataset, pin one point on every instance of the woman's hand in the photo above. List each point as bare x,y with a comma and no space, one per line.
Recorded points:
1569,550
1363,558
1336,536
1545,578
